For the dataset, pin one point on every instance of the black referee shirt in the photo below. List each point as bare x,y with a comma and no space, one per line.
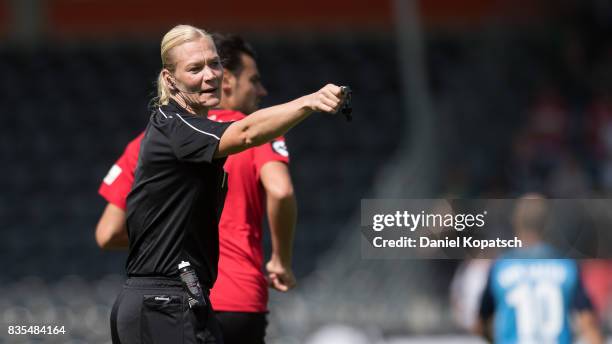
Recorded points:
174,207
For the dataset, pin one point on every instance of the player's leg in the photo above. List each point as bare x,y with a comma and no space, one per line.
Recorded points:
242,327
205,327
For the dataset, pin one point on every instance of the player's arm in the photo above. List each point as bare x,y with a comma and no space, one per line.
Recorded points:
585,317
588,326
111,231
486,313
282,214
266,124
483,328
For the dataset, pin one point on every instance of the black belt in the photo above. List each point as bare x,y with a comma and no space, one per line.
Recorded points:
155,281
158,281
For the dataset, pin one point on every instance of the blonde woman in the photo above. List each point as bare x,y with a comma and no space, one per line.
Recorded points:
173,209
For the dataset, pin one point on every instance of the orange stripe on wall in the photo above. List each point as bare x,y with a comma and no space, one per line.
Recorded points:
87,17
68,17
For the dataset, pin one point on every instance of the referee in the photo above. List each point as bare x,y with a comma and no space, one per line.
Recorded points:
260,183
179,187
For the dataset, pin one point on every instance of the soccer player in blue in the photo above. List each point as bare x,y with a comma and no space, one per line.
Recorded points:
532,296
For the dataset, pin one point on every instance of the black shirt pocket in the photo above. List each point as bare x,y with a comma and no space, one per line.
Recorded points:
162,319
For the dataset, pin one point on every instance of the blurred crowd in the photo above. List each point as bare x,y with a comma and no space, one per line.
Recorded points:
561,136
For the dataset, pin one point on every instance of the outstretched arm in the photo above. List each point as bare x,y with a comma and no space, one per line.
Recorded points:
266,124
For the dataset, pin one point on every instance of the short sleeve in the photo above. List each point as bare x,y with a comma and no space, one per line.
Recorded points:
272,151
195,139
118,181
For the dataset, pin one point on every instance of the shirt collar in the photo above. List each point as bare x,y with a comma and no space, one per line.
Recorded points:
173,106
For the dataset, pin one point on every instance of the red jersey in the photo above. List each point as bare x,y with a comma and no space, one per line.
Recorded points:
119,179
241,285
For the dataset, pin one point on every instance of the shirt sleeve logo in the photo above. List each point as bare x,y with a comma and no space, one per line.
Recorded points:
112,174
280,147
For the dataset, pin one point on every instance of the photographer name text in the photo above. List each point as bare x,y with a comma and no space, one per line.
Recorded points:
412,222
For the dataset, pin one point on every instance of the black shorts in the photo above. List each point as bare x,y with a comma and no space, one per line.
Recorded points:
155,311
243,328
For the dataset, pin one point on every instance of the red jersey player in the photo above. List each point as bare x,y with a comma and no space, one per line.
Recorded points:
258,181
